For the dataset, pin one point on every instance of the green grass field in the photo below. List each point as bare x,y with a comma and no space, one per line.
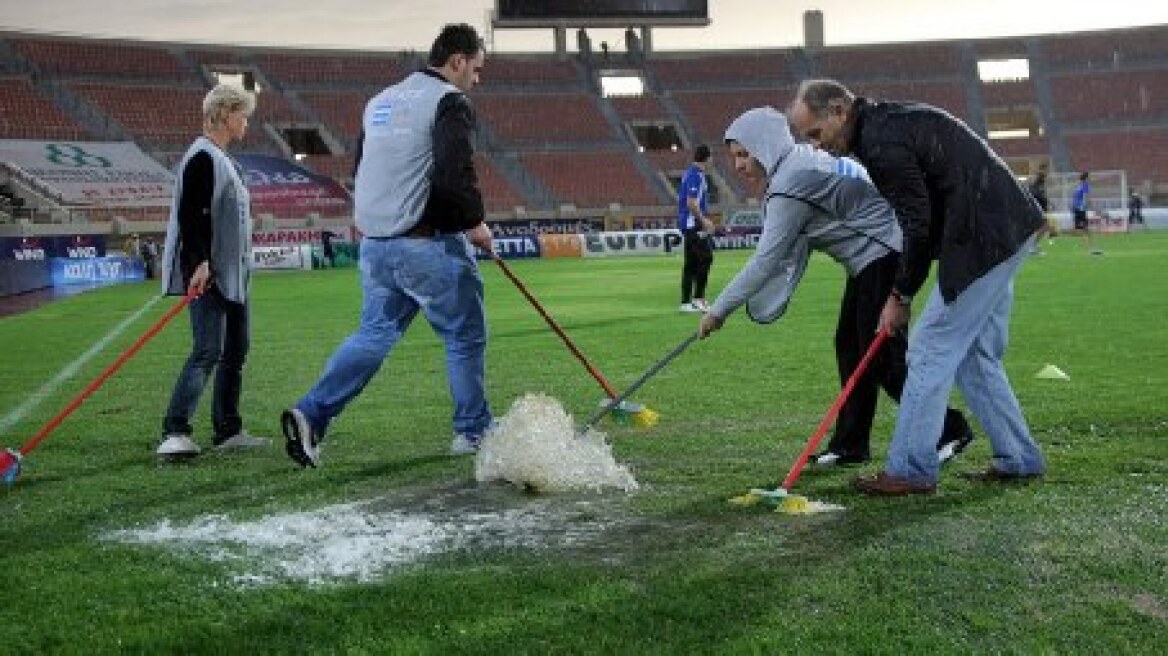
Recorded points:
1075,564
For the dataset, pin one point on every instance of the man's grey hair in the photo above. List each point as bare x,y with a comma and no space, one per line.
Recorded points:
224,99
821,95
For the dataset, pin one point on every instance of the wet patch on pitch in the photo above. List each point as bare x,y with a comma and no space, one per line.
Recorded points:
368,540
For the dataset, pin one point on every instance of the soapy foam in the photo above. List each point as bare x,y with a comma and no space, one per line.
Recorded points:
535,445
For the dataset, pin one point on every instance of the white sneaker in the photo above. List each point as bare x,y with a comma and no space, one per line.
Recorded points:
689,307
827,459
178,446
701,305
243,441
464,444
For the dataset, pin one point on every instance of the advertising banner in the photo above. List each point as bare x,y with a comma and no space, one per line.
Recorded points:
744,222
545,227
25,249
92,173
561,245
649,242
510,248
76,247
66,271
736,242
279,186
282,257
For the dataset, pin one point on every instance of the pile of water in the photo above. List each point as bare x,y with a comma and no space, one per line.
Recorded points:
535,445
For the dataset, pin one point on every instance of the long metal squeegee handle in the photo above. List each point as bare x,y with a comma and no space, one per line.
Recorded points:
657,366
833,411
7,458
604,384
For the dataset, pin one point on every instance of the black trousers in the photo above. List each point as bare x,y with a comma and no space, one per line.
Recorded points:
699,257
859,314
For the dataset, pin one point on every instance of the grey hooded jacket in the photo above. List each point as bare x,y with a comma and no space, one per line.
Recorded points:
813,201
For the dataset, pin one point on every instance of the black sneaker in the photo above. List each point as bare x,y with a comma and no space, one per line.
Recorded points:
303,443
948,449
833,459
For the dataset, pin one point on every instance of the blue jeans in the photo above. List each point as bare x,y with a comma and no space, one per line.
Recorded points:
221,335
437,275
964,340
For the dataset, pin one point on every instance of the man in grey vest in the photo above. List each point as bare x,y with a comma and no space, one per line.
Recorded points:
418,206
813,200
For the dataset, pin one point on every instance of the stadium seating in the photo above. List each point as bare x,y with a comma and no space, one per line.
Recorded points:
631,108
1110,50
25,113
163,117
498,194
905,61
340,110
721,70
949,96
544,118
1111,96
1143,153
710,112
303,70
516,72
562,142
1019,93
115,61
592,179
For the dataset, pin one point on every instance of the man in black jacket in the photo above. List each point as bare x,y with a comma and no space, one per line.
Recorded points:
957,203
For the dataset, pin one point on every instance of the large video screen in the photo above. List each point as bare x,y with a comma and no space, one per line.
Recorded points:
594,12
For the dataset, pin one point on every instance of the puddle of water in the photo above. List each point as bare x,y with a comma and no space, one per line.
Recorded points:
365,541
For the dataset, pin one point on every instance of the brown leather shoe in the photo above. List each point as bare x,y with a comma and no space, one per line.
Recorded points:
887,485
991,475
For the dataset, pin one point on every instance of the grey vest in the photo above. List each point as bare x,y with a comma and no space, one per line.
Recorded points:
231,229
397,156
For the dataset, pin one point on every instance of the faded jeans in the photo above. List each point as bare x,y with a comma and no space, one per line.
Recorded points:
399,277
963,341
220,332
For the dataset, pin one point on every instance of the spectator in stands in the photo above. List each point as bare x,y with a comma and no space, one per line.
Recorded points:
693,205
1135,208
957,202
419,208
1080,207
816,201
208,254
1038,191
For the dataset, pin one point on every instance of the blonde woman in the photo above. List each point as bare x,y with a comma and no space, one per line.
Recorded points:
208,254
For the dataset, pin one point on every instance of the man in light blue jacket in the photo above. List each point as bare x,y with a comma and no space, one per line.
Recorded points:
813,200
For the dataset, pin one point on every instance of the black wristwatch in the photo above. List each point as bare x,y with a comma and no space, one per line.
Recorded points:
903,299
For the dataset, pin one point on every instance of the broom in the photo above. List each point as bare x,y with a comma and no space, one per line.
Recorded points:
622,410
794,503
11,459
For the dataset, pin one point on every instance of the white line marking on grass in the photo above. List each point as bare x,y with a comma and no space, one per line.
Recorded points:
12,418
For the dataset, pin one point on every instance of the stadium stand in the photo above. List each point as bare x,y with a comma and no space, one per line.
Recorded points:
721,70
592,179
906,61
547,136
1113,96
532,119
315,70
101,59
26,113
